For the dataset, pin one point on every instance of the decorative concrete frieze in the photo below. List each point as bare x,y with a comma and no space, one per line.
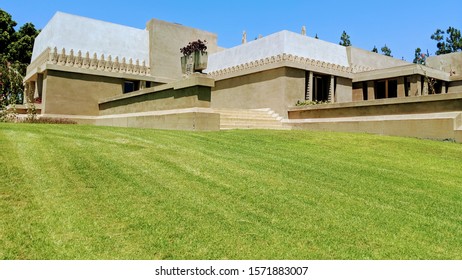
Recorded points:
288,58
70,59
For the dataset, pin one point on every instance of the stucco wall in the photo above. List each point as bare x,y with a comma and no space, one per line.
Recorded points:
165,41
153,100
394,106
77,94
373,60
343,92
85,34
276,89
447,62
455,87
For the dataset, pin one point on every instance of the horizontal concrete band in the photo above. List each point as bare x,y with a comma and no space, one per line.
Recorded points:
397,106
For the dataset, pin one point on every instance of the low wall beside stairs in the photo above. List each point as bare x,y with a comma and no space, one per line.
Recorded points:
432,117
181,105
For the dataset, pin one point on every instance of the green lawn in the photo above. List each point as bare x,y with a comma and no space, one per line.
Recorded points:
84,192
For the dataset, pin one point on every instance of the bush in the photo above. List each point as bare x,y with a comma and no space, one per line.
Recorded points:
47,120
309,102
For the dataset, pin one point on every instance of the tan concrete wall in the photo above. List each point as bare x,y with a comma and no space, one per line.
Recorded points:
76,94
455,87
358,92
446,62
438,128
344,91
194,121
294,88
395,106
276,89
165,41
373,60
195,96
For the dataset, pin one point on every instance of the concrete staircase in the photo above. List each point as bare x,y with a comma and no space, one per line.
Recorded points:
250,119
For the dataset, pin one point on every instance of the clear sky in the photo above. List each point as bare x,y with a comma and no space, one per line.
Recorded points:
401,25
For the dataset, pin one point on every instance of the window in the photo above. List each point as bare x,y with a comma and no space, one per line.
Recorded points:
130,86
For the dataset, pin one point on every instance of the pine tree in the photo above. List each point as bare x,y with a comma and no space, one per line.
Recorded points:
345,39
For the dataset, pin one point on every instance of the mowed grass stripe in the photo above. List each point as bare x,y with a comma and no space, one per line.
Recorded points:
112,193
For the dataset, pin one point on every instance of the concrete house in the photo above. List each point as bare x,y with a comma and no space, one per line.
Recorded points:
107,74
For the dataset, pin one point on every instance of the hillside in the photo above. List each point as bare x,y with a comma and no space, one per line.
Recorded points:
85,192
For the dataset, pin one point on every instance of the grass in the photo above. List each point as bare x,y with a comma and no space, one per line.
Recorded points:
84,192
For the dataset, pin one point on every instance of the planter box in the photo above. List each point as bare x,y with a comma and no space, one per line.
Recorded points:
187,64
195,62
200,61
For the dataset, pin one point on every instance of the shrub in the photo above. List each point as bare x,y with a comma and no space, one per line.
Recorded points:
48,120
309,102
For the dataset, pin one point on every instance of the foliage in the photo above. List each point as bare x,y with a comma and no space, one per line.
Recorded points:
193,47
310,102
16,46
47,120
345,39
7,32
11,89
386,51
419,57
374,49
85,192
449,41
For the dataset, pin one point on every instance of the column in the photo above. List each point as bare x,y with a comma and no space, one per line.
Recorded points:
443,87
386,88
401,92
310,86
370,90
331,97
425,90
416,86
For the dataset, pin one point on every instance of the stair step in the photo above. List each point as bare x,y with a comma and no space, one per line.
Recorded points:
249,119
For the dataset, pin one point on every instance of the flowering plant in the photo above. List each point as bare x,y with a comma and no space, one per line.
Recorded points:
193,47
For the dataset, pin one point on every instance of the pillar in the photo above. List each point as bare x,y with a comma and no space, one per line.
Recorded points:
401,91
310,86
331,97
425,90
370,90
443,87
38,86
416,86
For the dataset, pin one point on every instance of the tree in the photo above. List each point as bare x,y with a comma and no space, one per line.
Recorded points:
11,87
375,49
447,44
420,57
386,51
345,39
21,49
7,31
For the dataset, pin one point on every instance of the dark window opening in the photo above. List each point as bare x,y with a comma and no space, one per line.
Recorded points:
392,89
438,87
380,91
407,85
130,86
148,84
321,86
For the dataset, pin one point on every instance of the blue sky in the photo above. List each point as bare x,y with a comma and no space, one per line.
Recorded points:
401,25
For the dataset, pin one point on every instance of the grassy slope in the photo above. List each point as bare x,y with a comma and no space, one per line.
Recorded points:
80,192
